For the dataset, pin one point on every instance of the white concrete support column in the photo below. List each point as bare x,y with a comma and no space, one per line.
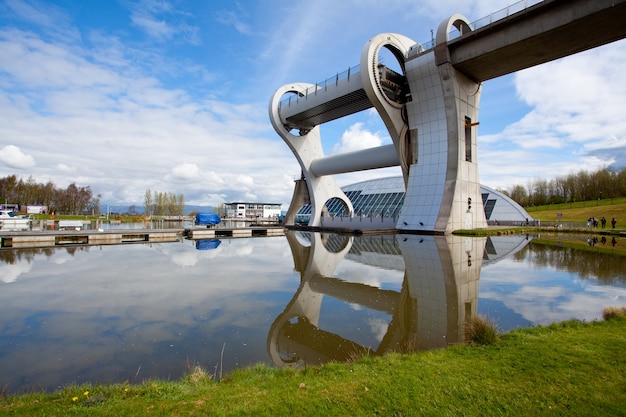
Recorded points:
307,147
443,190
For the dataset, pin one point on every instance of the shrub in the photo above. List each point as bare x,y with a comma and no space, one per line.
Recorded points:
612,313
196,374
481,331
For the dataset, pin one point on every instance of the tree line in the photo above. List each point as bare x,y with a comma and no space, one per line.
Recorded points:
77,200
582,186
71,200
158,203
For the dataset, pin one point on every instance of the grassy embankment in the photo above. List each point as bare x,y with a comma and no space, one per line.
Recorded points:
581,211
566,215
572,368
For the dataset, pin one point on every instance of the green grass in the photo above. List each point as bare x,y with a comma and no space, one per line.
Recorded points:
572,215
481,330
581,211
578,204
572,368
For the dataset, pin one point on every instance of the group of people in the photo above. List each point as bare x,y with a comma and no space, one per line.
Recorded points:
593,222
593,240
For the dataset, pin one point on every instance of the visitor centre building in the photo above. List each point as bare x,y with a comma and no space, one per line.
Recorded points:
377,204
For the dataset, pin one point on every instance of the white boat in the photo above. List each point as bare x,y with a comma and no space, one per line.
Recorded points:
10,220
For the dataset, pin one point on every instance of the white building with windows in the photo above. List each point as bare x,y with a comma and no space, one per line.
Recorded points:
243,210
377,204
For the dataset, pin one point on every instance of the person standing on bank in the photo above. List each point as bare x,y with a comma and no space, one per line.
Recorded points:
613,221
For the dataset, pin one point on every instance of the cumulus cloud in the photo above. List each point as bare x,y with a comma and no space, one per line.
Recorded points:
577,99
185,171
13,157
574,121
356,138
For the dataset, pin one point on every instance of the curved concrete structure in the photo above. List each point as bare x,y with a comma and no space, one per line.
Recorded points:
392,112
307,147
430,112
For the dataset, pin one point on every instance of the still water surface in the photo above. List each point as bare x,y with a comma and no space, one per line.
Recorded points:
129,312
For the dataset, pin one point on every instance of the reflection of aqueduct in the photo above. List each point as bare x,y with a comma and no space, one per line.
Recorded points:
439,290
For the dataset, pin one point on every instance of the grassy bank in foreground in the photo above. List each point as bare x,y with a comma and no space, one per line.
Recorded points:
571,368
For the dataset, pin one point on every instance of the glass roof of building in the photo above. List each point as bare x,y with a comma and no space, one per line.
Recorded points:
381,197
384,197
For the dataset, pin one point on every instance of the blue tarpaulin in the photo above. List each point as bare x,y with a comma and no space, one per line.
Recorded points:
207,244
207,218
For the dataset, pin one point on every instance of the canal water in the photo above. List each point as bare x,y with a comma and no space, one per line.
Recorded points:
126,313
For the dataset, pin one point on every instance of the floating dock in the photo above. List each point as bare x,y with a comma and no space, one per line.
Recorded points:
46,238
253,231
49,238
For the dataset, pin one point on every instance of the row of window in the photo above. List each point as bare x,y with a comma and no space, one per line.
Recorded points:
250,206
379,204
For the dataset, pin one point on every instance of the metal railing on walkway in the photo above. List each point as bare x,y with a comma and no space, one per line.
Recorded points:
428,45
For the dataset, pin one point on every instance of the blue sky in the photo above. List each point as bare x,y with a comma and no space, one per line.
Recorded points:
126,96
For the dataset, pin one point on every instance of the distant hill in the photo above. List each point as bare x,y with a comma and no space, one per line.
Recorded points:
128,208
204,209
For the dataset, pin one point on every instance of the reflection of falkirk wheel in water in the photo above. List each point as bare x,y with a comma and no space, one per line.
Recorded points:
439,290
430,111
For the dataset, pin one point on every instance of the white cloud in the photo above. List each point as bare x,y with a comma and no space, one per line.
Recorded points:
185,171
356,138
577,99
13,157
574,122
65,168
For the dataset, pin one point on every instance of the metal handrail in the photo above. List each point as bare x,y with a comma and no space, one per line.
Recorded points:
454,34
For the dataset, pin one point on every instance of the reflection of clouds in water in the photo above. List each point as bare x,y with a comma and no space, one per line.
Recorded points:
10,272
355,307
62,258
244,250
352,271
548,296
379,328
529,292
509,271
185,259
132,280
113,305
